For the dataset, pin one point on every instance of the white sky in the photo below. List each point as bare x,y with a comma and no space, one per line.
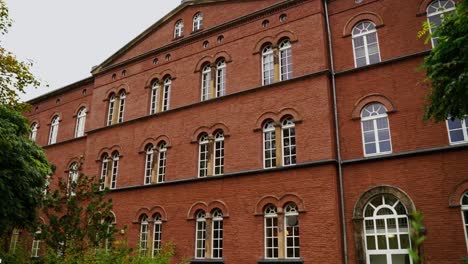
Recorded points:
65,38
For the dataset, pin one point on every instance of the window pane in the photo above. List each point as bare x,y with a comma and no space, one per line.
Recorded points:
403,224
373,48
391,225
371,148
378,259
371,243
385,146
368,126
454,124
369,227
361,62
400,259
405,241
393,241
372,38
358,42
360,52
456,135
369,137
382,123
382,242
374,58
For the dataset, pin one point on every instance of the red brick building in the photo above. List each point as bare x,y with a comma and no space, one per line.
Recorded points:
270,131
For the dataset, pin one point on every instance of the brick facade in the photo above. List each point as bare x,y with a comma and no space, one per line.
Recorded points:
423,166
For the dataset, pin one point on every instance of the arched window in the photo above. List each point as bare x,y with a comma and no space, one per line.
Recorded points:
198,21
435,13
143,235
162,155
166,93
203,155
157,234
268,67
457,130
288,134
72,178
149,163
271,232
122,96
219,153
206,82
115,169
285,60
217,234
200,235
154,96
375,130
54,127
36,244
365,44
220,78
291,223
179,29
386,231
104,170
110,111
464,208
33,134
80,122
269,145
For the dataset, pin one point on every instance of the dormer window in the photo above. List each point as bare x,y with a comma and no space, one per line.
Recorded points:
179,29
197,21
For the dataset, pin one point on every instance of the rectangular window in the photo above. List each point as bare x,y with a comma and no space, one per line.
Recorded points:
115,167
200,239
121,108
217,238
292,236
289,145
148,167
206,83
269,147
157,237
203,160
221,81
162,166
166,95
458,130
268,68
104,174
143,238
219,157
271,237
154,100
286,64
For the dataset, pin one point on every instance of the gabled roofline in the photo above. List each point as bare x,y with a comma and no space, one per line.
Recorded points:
104,67
141,36
61,90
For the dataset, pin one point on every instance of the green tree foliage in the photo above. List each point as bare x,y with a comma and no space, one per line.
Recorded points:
447,67
77,217
417,237
15,75
23,172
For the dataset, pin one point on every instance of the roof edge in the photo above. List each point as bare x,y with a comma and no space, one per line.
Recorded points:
61,90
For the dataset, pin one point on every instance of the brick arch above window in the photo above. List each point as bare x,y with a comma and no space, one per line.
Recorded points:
457,192
274,40
375,18
35,121
277,117
192,212
82,105
116,90
159,76
279,202
158,210
210,130
155,142
52,116
211,59
109,151
223,55
218,204
371,98
141,212
422,7
73,160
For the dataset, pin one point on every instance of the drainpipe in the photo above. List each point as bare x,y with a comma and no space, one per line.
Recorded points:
337,135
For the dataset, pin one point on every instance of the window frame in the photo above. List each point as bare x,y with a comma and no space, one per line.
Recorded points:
115,170
104,171
110,109
288,124
197,22
80,122
206,82
34,128
122,98
155,86
268,58
157,234
149,159
200,228
375,130
218,153
429,15
365,45
144,235
162,161
464,210
179,29
73,174
36,244
203,149
217,233
285,49
270,213
291,210
166,94
464,128
221,68
269,127
54,127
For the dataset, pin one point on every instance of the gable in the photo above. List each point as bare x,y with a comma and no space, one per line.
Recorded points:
160,34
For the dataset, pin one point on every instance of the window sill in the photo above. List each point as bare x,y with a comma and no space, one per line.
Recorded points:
207,261
282,261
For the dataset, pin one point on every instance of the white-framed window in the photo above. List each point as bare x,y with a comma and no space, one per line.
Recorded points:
375,130
115,170
33,134
198,21
14,240
157,234
179,29
143,247
386,231
285,60
217,234
219,153
200,235
435,14
269,145
464,211
206,82
268,66
203,155
80,122
122,96
166,94
162,155
271,232
220,78
149,163
104,171
288,134
154,97
365,44
457,130
291,236
73,175
54,127
36,244
110,110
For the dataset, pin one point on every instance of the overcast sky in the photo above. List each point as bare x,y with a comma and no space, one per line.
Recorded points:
65,38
